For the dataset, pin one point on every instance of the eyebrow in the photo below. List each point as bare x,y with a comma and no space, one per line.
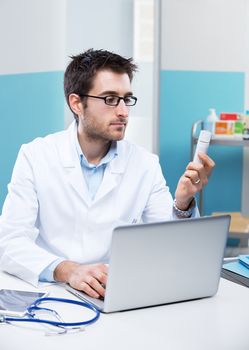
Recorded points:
111,92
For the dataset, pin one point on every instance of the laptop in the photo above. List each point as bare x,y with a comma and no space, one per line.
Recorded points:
163,262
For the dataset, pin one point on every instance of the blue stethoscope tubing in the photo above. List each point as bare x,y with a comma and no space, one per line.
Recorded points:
35,306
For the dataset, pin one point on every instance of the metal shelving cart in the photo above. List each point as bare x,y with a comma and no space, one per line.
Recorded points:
222,141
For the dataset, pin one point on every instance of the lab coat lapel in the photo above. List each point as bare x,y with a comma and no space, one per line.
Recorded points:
71,163
77,181
112,175
109,182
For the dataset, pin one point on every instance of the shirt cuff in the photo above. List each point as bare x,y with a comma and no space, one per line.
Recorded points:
47,275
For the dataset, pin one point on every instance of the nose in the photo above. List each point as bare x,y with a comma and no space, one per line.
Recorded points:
122,109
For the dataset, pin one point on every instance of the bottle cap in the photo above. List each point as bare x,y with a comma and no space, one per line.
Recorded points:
205,136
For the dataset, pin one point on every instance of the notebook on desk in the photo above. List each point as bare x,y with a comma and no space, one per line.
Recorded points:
162,263
237,270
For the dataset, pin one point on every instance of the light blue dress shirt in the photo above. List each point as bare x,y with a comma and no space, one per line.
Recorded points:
93,175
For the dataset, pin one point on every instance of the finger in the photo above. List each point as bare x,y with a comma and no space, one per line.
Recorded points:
204,169
185,190
188,188
187,184
200,179
86,288
101,277
193,175
100,272
95,285
194,166
101,267
207,162
104,268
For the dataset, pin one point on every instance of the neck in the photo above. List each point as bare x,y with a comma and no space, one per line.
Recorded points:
94,149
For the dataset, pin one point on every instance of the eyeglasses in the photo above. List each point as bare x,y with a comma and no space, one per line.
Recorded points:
114,100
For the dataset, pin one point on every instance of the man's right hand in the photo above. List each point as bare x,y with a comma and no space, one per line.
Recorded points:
90,279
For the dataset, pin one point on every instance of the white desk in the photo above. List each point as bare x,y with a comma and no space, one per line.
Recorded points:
218,323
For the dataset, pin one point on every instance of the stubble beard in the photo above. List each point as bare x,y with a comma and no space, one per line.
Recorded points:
93,134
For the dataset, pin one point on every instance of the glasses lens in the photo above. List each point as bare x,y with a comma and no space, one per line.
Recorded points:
130,100
112,100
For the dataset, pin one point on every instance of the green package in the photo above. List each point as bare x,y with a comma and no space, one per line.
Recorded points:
238,127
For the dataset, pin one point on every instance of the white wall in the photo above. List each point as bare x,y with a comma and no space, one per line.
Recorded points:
93,24
32,41
190,38
38,36
101,25
32,36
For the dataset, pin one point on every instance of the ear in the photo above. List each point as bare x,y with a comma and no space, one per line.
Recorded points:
75,104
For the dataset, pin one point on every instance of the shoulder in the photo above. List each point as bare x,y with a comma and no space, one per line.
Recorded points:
135,152
134,159
45,144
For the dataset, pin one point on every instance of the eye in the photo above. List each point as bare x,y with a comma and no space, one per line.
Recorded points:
111,100
128,100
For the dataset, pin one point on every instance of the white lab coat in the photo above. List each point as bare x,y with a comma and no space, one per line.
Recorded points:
48,213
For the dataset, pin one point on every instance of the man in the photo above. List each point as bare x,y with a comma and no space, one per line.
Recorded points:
70,189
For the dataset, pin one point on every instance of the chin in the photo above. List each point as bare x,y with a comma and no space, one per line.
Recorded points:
116,136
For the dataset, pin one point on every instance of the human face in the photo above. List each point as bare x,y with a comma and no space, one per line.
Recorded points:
99,121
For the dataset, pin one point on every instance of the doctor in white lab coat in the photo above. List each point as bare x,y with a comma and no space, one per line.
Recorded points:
70,189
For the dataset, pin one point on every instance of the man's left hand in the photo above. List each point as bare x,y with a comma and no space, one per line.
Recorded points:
193,180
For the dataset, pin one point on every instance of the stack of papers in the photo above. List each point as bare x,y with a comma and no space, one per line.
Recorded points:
237,271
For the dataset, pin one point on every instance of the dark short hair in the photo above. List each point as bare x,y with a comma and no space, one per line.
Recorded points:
81,71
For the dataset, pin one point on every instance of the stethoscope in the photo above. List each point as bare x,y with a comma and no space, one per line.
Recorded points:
35,307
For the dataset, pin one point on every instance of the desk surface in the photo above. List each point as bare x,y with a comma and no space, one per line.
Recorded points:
220,322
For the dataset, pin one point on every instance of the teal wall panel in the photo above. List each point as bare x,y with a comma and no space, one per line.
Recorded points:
185,97
31,105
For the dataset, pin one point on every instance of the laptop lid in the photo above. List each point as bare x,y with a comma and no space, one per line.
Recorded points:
164,262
